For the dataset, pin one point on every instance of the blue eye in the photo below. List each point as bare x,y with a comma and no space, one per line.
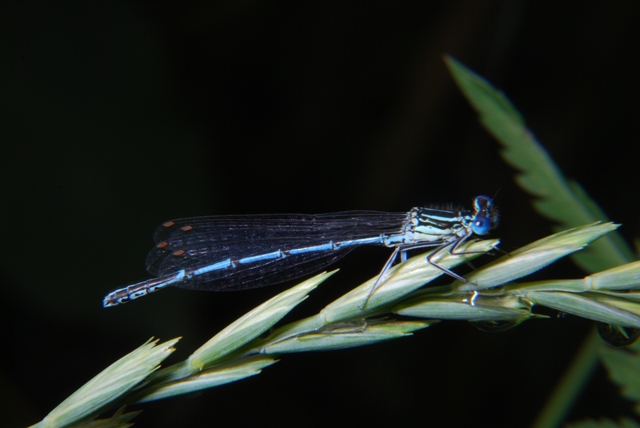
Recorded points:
481,225
482,203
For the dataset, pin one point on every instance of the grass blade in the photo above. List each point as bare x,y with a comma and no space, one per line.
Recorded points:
559,199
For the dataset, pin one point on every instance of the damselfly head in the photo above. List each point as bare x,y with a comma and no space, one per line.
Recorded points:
486,216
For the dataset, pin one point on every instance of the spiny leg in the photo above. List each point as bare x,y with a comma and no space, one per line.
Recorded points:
453,251
402,249
383,273
447,247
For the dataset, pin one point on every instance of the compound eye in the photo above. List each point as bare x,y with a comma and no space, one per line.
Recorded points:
482,203
481,225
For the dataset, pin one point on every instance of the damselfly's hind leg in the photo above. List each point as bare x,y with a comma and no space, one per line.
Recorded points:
402,250
383,274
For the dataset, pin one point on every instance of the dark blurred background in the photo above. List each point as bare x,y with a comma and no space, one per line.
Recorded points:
121,115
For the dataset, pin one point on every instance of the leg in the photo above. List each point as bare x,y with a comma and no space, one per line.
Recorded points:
448,247
402,249
382,274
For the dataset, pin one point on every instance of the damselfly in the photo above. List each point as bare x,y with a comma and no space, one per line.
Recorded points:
223,253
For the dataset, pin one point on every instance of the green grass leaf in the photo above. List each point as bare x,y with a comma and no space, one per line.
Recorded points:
220,375
345,336
624,371
114,381
535,256
558,199
254,323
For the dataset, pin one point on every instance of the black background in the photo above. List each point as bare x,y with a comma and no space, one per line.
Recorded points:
121,115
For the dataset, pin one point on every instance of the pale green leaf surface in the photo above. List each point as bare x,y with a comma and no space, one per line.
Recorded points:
567,285
217,376
619,301
584,307
449,309
254,323
349,337
625,277
110,384
118,420
621,281
630,296
533,257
